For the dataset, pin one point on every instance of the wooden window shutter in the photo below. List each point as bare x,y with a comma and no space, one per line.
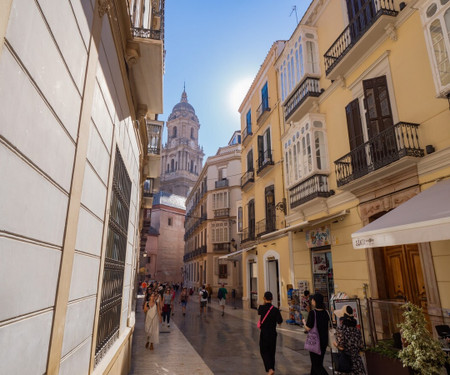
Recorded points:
354,125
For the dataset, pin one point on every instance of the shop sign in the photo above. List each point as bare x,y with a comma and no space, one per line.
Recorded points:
318,237
320,263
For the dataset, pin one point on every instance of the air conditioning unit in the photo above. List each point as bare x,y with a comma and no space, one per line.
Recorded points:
156,23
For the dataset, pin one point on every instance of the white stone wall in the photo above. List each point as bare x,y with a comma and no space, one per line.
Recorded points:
42,70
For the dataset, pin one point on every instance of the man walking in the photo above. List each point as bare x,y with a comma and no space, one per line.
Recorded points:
222,295
203,299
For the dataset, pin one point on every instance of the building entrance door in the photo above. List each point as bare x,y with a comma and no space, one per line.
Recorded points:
273,281
403,274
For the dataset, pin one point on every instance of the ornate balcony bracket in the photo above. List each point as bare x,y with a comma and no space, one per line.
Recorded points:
103,7
132,53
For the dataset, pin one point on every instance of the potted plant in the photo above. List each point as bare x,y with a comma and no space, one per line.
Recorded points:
421,352
382,359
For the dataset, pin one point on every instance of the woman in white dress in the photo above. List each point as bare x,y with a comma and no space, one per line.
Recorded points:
152,320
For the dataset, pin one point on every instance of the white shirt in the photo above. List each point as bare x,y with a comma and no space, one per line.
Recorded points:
201,296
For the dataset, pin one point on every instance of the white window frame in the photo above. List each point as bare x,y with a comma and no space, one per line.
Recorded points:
220,232
221,200
306,161
441,90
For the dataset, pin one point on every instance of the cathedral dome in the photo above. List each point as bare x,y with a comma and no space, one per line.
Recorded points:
183,109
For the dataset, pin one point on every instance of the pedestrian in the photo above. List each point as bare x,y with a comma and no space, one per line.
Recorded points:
349,338
152,320
305,306
203,299
320,317
173,300
184,296
209,290
269,317
222,295
167,306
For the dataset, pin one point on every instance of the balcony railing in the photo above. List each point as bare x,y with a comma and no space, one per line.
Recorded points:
144,25
195,253
247,177
248,234
370,12
194,226
223,212
308,88
154,150
265,160
392,144
313,187
262,109
246,132
222,247
222,183
265,226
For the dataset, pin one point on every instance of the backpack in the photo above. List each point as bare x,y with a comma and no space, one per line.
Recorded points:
220,294
204,294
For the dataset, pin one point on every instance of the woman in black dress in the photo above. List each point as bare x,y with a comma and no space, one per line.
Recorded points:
268,336
322,326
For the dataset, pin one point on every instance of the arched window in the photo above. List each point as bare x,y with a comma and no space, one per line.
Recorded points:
172,165
192,133
174,131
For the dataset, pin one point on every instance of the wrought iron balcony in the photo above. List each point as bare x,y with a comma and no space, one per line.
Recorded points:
308,88
265,226
154,150
223,212
262,110
147,24
248,234
313,187
265,160
222,183
246,132
222,247
392,144
368,15
247,177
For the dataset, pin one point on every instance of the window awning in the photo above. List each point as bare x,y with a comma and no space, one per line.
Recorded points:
423,218
237,254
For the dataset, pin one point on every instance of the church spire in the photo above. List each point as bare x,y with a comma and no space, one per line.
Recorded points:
184,95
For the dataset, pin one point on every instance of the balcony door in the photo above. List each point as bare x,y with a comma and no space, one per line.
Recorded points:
379,120
251,219
356,139
360,16
270,209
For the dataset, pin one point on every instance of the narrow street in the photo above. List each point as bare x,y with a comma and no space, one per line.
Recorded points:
216,345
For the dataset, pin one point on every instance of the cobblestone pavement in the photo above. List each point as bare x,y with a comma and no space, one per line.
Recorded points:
218,345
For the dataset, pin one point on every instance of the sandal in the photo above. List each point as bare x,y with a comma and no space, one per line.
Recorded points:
146,345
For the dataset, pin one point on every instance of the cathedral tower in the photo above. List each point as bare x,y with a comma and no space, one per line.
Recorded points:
181,157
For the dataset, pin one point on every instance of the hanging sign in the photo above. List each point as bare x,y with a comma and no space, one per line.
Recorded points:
318,237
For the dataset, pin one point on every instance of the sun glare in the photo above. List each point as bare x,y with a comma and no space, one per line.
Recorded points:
237,92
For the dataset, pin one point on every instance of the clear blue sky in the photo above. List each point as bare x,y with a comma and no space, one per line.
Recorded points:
217,47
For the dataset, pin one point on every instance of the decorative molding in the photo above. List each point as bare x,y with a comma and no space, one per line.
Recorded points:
132,53
434,162
391,32
103,7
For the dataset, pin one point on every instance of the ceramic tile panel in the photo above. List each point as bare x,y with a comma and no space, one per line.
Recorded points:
27,339
101,118
40,265
28,35
37,208
35,131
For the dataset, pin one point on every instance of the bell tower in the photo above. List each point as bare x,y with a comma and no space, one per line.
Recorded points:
181,157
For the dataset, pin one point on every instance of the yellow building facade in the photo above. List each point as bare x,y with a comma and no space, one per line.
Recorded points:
357,106
363,92
266,261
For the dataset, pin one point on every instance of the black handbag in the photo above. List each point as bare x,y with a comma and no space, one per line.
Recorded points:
342,362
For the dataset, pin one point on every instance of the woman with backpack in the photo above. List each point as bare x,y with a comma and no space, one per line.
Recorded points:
270,316
203,299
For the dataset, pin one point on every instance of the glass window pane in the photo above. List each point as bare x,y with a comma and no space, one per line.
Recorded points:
440,52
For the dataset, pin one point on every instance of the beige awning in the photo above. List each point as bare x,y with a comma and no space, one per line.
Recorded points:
423,218
237,254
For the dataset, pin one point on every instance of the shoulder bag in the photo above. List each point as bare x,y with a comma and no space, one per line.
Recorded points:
265,316
312,342
343,362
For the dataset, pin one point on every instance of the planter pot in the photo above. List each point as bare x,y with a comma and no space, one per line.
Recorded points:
378,364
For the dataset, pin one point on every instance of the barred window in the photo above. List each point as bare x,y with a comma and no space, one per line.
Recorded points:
223,271
116,246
